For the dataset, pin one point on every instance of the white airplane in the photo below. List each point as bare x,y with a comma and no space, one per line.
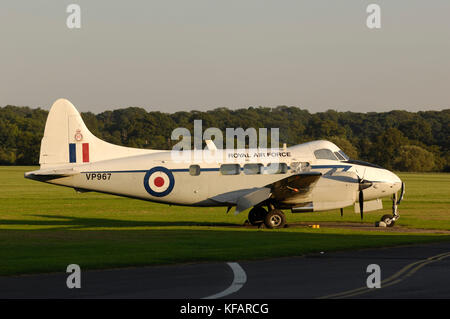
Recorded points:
310,177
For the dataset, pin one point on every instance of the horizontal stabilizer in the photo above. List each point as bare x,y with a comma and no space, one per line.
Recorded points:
55,171
49,174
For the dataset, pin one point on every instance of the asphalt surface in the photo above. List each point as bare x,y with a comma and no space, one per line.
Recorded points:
419,271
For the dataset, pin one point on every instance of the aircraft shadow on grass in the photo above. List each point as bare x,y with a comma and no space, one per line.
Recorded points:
72,222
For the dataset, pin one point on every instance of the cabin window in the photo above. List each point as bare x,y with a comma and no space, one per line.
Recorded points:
324,154
230,169
276,168
339,156
194,170
253,169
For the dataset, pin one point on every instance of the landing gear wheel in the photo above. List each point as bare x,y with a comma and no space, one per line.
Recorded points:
388,220
275,219
256,215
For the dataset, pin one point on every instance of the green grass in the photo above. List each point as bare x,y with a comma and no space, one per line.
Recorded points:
43,228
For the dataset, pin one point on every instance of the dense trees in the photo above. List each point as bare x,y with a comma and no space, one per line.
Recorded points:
397,140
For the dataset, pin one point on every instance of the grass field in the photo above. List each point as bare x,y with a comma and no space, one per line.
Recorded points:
43,228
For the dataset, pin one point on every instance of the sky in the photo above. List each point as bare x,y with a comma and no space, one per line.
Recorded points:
179,55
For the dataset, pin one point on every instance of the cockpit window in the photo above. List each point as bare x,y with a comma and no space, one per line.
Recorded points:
345,155
324,154
339,156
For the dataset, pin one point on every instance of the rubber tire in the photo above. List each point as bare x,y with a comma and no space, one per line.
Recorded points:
256,215
385,217
275,215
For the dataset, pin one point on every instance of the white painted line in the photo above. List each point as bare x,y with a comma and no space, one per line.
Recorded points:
239,280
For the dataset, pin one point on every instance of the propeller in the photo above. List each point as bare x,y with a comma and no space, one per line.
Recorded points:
362,185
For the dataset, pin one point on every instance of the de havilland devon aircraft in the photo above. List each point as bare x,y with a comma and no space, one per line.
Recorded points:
309,177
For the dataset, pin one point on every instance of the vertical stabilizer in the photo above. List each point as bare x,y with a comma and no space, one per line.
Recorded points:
67,140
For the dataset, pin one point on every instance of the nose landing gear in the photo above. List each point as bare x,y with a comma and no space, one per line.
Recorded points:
389,220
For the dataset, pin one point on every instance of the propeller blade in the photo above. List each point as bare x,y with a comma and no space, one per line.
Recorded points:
361,204
362,184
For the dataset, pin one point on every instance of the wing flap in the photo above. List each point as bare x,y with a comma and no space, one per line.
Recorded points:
252,199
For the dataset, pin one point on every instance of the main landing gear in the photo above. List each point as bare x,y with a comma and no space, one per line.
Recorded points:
274,218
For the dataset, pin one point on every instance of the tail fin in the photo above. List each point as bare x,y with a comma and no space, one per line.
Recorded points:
67,140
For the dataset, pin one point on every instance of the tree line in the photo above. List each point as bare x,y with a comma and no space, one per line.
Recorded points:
396,140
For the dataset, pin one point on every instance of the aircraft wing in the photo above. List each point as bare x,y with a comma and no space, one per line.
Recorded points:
297,185
292,186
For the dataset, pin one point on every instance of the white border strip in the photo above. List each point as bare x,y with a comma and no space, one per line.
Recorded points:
239,280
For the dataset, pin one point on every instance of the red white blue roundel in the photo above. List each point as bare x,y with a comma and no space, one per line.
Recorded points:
159,181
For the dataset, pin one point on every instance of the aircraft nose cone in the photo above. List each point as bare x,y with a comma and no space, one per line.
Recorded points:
396,179
396,182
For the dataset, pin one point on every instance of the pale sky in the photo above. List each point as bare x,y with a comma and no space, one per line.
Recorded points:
173,55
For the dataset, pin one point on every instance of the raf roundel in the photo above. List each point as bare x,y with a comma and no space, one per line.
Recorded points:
159,181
